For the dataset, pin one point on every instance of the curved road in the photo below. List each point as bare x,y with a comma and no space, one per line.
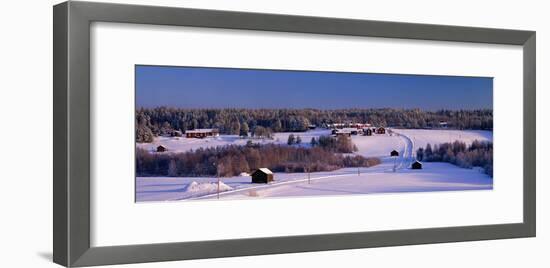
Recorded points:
406,157
404,160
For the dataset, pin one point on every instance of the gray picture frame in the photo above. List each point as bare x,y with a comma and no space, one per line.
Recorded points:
71,116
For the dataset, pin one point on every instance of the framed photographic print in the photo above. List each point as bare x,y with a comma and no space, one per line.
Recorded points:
220,133
184,133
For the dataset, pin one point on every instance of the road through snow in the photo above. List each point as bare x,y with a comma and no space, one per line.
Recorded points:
377,179
407,156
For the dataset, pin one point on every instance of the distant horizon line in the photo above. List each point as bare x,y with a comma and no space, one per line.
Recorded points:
308,108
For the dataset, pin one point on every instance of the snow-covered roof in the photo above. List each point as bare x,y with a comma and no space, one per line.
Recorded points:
346,130
265,170
201,130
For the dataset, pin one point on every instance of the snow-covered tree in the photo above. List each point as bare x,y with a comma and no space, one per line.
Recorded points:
244,129
235,127
172,168
291,139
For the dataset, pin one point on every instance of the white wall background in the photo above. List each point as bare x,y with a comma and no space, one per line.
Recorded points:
26,133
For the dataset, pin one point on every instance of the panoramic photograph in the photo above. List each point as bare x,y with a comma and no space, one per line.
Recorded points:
206,133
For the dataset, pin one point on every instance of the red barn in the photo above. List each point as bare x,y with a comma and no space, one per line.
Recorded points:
202,133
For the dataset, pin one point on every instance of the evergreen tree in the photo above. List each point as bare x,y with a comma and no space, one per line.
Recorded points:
291,139
428,152
277,126
144,134
194,124
235,127
262,132
420,154
244,130
313,142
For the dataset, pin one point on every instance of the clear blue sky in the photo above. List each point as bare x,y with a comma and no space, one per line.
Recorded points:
198,87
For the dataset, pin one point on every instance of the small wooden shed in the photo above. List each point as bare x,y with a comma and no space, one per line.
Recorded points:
262,175
416,165
161,149
380,130
367,132
394,153
176,133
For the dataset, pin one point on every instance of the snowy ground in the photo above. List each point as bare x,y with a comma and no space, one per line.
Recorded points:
182,144
421,137
378,179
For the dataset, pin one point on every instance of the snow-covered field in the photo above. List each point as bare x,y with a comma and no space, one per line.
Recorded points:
421,137
378,179
182,144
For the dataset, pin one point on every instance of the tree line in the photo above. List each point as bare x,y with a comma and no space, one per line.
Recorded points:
340,144
232,160
152,122
477,154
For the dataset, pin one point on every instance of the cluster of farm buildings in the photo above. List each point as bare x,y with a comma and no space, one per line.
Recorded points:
338,129
342,129
198,133
346,129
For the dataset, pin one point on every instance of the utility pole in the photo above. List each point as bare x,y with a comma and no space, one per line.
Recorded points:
308,171
218,177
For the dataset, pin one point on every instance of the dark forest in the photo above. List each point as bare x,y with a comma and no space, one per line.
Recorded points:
477,154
